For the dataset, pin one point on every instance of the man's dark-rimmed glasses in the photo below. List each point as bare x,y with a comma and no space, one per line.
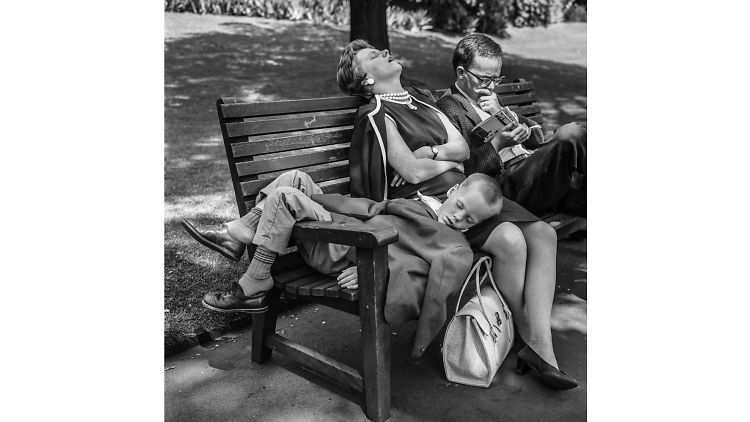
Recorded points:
484,81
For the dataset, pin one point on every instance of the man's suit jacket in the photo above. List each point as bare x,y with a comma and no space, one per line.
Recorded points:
483,158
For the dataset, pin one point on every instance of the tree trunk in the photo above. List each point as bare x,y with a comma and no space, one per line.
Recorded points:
368,22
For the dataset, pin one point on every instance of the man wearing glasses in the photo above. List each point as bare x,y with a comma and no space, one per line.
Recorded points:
540,174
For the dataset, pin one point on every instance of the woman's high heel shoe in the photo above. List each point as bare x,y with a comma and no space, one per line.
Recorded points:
552,377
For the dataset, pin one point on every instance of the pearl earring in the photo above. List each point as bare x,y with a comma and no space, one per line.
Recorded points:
369,81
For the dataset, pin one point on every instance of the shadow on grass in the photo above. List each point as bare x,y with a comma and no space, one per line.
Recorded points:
189,274
191,271
263,61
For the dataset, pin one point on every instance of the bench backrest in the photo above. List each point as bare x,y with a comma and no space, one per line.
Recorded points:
263,140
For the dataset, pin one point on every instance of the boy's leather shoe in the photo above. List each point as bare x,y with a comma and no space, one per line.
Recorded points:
236,302
216,238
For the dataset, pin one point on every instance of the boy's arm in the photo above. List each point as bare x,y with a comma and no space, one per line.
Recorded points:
348,278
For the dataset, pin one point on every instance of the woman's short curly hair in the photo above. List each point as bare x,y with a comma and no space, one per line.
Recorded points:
349,75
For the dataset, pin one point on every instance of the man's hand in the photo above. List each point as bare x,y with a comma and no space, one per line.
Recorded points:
509,137
520,134
348,278
488,102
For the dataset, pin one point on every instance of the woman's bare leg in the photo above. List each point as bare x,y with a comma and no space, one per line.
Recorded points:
508,248
539,286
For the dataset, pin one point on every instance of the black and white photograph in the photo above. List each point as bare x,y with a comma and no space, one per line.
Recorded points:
340,242
374,210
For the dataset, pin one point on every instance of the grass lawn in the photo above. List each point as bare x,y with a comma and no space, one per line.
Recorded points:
254,59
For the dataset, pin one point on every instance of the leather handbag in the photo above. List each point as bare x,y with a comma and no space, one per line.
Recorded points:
480,335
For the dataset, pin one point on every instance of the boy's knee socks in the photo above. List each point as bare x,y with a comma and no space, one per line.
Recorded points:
252,218
260,266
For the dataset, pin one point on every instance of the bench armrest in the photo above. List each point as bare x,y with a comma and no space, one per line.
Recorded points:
351,234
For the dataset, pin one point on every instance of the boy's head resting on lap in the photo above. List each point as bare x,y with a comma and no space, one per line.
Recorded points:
476,199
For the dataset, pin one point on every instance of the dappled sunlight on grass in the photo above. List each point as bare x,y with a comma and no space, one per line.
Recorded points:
569,313
214,205
211,143
182,163
250,94
201,157
191,271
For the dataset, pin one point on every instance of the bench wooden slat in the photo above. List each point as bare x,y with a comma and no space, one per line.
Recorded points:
340,186
290,123
290,106
269,143
294,160
312,278
282,279
334,291
338,291
287,262
306,290
514,87
518,99
321,290
528,110
319,173
348,294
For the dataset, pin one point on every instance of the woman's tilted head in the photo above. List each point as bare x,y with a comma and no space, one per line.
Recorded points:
364,70
350,76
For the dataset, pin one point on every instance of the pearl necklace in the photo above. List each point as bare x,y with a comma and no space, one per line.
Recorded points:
398,98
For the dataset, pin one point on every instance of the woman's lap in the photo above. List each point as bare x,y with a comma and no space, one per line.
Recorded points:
511,213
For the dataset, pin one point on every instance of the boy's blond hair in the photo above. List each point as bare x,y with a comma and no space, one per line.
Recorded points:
487,187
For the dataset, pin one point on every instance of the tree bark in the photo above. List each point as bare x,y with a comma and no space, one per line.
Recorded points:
368,22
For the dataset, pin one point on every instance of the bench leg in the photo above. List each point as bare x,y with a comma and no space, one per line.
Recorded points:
372,266
264,324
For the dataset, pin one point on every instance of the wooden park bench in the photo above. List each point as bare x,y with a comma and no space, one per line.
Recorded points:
262,141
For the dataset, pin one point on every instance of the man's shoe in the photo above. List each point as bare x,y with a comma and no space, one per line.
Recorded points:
216,238
236,302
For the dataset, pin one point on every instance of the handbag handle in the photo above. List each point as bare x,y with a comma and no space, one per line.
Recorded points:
474,271
506,308
487,261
